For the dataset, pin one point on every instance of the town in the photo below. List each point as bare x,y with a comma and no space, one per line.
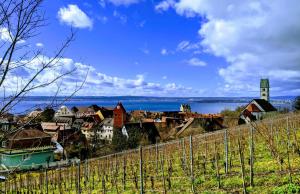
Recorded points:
42,137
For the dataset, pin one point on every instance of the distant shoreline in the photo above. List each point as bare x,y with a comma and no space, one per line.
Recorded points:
198,104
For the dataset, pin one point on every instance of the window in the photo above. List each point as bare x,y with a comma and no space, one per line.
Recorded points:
264,89
4,144
25,156
264,94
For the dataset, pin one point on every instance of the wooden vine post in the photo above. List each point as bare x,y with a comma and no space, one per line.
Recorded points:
78,178
192,163
217,165
242,165
141,171
251,143
288,149
226,150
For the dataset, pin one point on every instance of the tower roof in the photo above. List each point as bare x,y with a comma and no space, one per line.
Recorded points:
264,83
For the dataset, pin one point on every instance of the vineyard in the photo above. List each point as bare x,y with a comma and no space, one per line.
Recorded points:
256,158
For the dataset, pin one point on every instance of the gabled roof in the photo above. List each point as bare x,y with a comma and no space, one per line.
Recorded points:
120,106
63,119
108,122
28,134
265,105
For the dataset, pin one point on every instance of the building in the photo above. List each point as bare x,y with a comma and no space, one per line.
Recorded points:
83,111
105,112
106,129
146,132
64,111
265,89
255,110
26,149
35,113
120,116
58,131
185,108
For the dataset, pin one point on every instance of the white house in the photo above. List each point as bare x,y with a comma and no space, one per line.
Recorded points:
106,130
256,109
64,111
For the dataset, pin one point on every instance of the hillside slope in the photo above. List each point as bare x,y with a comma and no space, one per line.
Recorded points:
263,157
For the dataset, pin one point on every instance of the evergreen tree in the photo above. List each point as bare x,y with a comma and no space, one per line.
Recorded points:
119,141
297,103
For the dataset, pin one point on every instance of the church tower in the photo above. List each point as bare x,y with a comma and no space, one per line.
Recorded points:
265,89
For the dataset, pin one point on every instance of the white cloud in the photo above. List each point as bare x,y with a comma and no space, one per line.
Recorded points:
165,77
74,16
164,5
256,38
145,49
39,44
188,46
196,62
4,35
102,19
123,2
7,36
164,51
97,83
121,17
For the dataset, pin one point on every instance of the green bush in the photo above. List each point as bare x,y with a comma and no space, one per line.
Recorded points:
287,189
297,103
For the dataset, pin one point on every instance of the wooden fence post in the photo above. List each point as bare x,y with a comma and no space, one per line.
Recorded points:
192,163
103,184
46,176
163,174
288,149
217,165
226,150
183,154
78,178
124,173
251,156
141,171
242,165
156,156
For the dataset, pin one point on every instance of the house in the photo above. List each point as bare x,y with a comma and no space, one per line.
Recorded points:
35,113
105,112
106,129
77,124
83,111
185,108
64,111
26,149
58,131
6,124
120,116
89,128
67,120
198,125
146,131
255,110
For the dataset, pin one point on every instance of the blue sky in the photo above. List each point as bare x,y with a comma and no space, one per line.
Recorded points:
175,47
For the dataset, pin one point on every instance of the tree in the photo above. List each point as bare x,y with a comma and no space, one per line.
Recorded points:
47,115
297,103
20,22
119,141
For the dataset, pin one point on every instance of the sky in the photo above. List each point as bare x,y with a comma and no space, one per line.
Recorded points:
171,48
